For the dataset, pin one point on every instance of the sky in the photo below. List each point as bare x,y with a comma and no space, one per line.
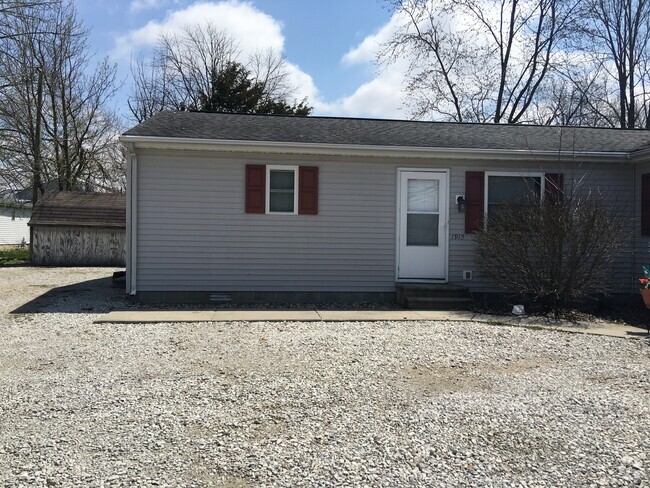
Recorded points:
330,45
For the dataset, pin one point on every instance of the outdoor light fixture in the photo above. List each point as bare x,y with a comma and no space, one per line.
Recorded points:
460,201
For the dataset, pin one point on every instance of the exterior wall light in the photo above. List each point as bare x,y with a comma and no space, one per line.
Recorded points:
460,201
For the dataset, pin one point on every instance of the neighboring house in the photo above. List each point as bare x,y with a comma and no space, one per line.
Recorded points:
13,222
257,207
79,229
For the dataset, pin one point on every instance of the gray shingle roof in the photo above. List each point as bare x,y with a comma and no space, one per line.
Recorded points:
81,209
373,132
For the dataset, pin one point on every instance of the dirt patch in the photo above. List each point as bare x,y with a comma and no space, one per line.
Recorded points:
521,365
444,379
469,377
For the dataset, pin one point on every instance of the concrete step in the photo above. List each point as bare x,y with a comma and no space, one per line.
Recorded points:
430,286
448,292
433,296
437,303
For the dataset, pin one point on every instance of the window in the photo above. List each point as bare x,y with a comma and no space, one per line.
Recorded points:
285,190
485,189
502,188
422,214
282,182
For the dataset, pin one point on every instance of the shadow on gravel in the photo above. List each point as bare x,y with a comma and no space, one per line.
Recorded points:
93,296
100,296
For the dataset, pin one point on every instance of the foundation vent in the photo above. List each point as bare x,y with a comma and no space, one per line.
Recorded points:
220,298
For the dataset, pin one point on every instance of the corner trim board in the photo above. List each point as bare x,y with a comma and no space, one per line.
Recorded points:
132,220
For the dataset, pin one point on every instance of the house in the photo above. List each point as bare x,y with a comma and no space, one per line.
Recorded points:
78,229
13,222
259,207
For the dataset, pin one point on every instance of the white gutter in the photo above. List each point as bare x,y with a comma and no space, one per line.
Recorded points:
301,148
131,219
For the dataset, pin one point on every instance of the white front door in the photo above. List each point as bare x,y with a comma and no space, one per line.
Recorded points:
422,227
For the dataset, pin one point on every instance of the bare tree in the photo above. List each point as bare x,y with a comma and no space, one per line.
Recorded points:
618,32
22,97
478,60
57,132
78,127
184,67
25,12
577,92
191,59
150,92
268,69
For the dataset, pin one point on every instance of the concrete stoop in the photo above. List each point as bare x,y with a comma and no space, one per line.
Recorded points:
428,296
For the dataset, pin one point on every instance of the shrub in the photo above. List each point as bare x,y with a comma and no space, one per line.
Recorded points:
554,253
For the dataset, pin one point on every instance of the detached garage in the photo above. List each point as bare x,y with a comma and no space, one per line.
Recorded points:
78,229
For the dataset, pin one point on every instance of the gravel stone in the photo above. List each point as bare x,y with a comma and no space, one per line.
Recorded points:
244,404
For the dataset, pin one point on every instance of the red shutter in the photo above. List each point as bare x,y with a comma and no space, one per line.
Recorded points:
474,200
645,204
255,188
308,190
554,187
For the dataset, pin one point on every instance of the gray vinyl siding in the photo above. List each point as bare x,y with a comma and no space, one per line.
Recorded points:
641,243
193,233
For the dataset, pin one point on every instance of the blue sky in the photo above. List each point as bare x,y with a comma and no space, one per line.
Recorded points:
330,44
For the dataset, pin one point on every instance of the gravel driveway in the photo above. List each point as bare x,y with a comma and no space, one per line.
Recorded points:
306,404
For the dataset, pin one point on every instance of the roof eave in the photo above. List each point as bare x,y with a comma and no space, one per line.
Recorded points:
301,148
640,156
55,223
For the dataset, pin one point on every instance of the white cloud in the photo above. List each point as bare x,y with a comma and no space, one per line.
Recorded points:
367,50
252,28
137,5
304,84
255,30
382,96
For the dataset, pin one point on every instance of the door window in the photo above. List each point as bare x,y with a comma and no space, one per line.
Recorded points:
423,212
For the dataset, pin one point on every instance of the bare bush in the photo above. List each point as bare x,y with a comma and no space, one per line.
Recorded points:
556,252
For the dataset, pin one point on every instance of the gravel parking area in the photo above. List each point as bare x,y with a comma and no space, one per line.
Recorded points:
306,404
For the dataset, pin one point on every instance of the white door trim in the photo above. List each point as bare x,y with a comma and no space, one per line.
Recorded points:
398,235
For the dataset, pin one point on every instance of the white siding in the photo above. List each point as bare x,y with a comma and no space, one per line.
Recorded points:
13,225
193,233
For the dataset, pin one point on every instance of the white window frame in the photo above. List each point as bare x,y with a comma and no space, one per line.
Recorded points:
269,168
514,174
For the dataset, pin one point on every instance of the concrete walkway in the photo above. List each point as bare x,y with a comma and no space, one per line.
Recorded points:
139,317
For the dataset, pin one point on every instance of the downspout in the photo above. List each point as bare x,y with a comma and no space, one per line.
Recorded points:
131,220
